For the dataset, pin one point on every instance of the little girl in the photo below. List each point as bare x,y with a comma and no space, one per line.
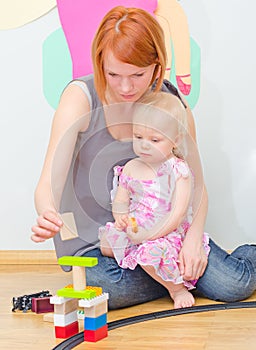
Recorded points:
156,190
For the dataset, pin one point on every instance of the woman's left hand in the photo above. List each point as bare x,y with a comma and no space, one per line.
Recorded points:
140,236
192,259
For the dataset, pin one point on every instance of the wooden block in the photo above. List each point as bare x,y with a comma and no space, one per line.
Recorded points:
69,306
68,230
79,280
97,310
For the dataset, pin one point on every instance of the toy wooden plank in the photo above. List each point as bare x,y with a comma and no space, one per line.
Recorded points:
78,261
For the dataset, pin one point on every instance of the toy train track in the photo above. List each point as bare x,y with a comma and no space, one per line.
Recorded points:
77,339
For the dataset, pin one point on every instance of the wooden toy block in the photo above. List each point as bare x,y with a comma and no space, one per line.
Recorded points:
94,301
77,261
134,225
97,310
69,229
65,320
92,323
79,279
41,305
94,336
67,331
79,294
67,307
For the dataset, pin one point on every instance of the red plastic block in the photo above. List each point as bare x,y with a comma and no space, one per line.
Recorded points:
94,336
41,305
67,331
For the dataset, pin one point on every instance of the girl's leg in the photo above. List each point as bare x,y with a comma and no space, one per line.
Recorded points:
125,287
105,248
229,277
178,292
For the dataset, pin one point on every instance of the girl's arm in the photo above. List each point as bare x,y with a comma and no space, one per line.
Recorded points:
70,118
120,208
171,220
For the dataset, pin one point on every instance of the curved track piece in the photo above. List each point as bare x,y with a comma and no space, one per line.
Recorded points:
71,342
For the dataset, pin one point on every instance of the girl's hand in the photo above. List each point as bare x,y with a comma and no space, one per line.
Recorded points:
140,236
192,259
121,222
48,225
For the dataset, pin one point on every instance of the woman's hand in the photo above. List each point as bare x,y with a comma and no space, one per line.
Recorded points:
48,225
192,259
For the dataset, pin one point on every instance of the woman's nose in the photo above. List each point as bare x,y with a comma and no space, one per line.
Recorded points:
126,85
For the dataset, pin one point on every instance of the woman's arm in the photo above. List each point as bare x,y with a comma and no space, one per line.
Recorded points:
193,259
70,118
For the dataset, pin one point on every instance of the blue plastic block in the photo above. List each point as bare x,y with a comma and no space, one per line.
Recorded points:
91,323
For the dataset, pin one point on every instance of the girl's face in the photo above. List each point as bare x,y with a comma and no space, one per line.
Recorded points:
151,145
125,82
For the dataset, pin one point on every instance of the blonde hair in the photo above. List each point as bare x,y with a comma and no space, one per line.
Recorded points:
135,37
172,111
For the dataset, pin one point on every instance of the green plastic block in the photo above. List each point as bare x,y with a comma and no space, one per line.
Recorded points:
78,261
79,294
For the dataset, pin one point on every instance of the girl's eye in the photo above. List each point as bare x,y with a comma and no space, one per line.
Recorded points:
155,140
138,137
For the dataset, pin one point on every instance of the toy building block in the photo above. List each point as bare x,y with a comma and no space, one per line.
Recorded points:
94,301
70,292
134,225
79,263
42,305
67,331
66,319
94,336
67,307
93,323
97,310
69,229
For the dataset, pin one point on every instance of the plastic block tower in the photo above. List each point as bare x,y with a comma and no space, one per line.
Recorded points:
66,302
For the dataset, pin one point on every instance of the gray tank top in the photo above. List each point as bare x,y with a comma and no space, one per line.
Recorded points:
89,182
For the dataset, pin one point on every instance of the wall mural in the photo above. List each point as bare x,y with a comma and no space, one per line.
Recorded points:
66,52
15,13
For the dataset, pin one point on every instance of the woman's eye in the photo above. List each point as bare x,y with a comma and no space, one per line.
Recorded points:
139,75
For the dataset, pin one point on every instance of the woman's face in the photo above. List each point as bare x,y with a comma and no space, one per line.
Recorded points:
125,82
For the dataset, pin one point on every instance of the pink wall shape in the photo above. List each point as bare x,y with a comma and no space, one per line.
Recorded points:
80,19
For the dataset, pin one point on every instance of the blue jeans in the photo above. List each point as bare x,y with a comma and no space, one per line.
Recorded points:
228,277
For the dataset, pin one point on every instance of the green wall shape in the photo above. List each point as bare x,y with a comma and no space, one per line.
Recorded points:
195,67
57,69
57,66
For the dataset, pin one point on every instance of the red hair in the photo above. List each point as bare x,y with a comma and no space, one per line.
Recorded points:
135,37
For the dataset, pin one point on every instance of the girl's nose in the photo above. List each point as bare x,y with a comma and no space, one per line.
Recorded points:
145,144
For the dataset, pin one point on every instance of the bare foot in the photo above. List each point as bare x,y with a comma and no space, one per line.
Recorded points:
182,298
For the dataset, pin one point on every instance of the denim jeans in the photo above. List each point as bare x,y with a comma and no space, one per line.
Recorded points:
228,278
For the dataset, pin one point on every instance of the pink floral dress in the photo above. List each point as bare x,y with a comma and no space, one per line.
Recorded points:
150,200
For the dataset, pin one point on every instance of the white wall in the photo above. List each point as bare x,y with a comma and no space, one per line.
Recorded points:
225,119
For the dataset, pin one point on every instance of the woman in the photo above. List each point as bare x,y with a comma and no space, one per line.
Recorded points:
89,136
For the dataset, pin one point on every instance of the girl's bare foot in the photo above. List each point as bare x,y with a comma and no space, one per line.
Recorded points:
182,298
